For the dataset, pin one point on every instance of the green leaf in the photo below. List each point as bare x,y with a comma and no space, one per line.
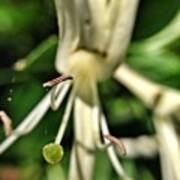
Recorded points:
153,16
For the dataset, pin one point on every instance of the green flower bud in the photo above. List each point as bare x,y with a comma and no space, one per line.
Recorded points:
53,153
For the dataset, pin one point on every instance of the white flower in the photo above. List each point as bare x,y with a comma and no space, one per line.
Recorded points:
94,36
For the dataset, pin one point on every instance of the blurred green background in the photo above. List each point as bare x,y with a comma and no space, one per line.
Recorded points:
28,32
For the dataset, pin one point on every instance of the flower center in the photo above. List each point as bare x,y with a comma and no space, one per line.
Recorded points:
88,65
87,68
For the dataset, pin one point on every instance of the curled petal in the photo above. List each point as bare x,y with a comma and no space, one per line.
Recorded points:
7,122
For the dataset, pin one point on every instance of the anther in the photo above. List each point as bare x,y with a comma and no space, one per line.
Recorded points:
117,142
57,80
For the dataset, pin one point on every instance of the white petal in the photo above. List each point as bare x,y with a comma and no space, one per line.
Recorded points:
122,31
83,157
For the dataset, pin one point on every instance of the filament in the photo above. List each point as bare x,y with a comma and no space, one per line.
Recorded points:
65,118
28,123
111,152
58,93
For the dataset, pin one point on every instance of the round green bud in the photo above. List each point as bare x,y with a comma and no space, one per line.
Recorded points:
53,153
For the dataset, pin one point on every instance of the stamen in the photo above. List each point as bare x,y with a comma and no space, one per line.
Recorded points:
57,80
7,122
117,142
65,118
112,140
28,124
97,132
96,128
58,93
96,112
111,152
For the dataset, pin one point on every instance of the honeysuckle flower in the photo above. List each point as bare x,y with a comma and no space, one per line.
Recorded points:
94,36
